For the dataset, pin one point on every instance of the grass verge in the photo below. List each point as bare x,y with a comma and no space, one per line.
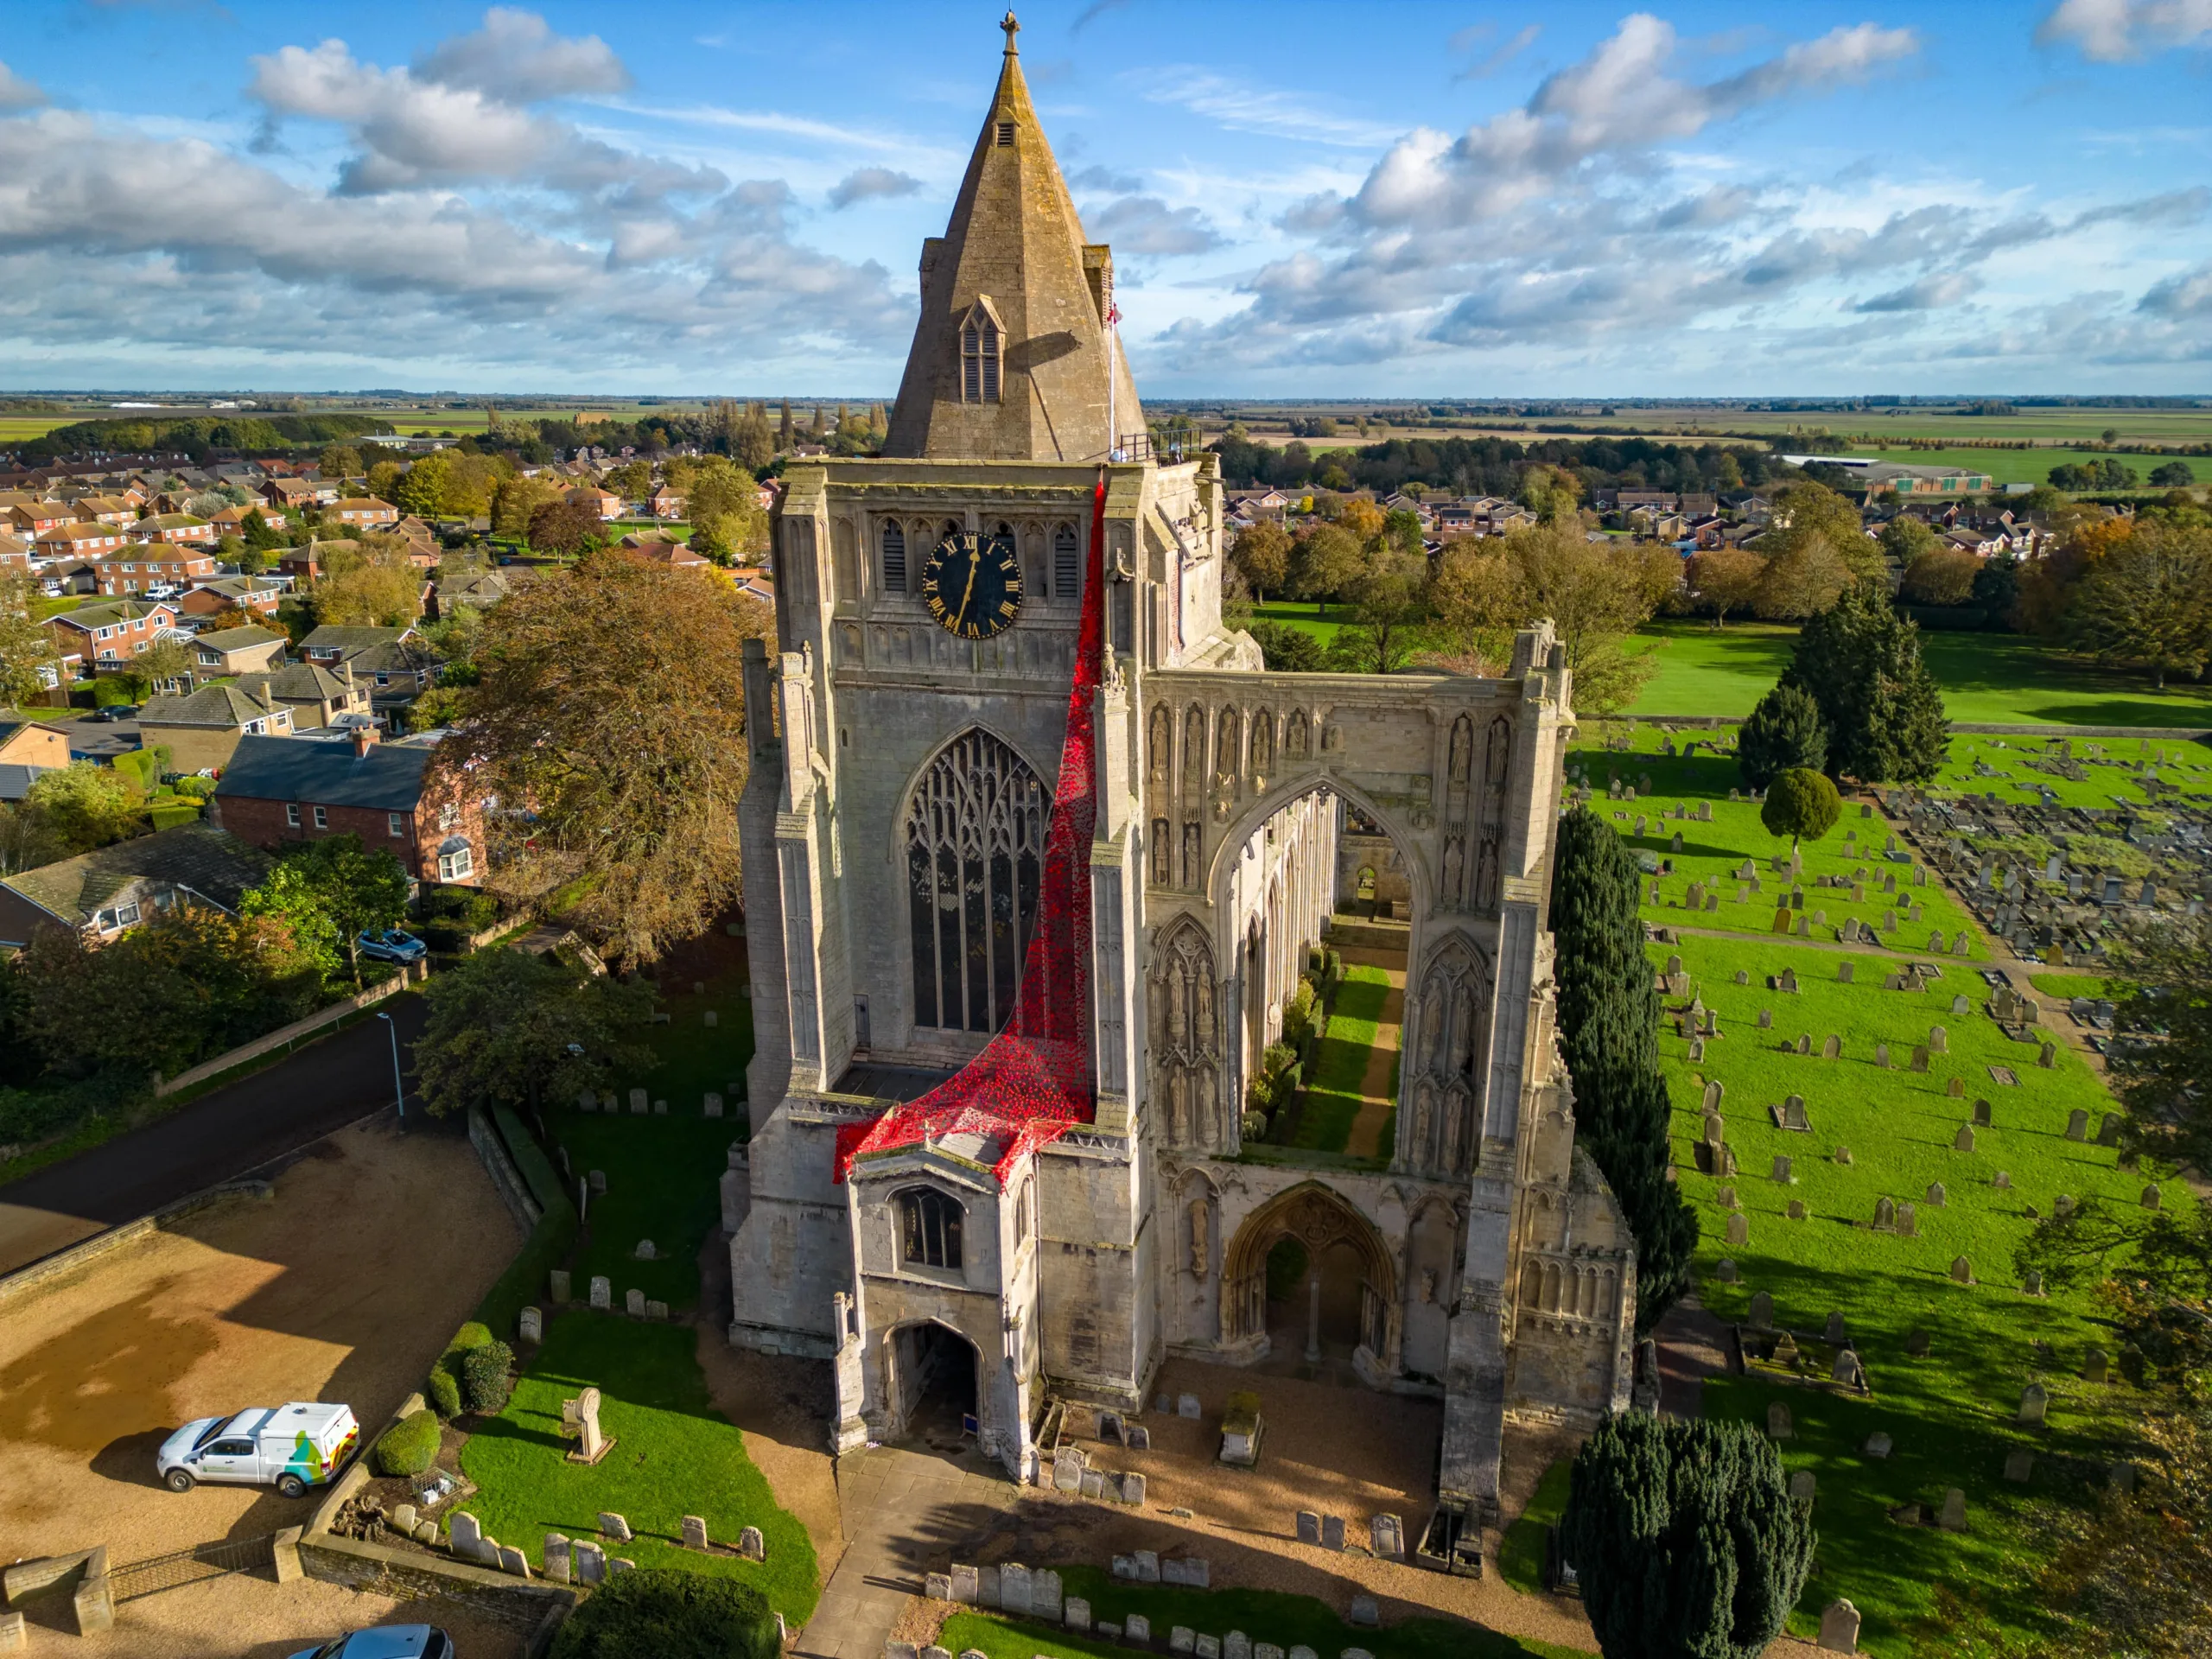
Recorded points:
673,1456
1341,1058
1521,1550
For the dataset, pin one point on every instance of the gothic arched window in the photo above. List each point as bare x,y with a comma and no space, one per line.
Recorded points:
975,842
894,557
980,338
929,1228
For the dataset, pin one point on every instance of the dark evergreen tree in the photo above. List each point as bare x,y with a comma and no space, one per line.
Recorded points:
1684,1538
1608,1026
1783,732
1860,662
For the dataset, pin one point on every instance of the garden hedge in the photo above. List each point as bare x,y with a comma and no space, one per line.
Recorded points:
670,1615
408,1446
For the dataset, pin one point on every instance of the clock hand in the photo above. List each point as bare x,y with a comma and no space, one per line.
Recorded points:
974,564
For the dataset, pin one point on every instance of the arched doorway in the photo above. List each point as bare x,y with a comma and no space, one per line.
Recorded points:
1308,1276
933,1383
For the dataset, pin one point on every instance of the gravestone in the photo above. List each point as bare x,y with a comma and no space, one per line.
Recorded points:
1961,1271
2035,1403
613,1528
1187,1406
1955,1088
2077,1125
1939,1040
2032,1284
1767,1019
1309,1527
2094,1364
466,1533
1796,1209
1725,1270
1076,1613
1953,1517
1882,1055
1726,1198
555,1556
1136,1630
598,1179
602,1291
1387,1536
751,1545
1885,1215
1782,1169
561,1284
532,1323
1014,1589
1333,1532
1964,1139
1908,1221
2150,1199
1960,1006
633,1303
638,1103
1843,973
1739,1230
2047,1056
1846,1372
1762,1310
1832,1049
590,1561
2019,1464
1936,1195
2108,1130
1802,1486
714,1106
1839,1627
2062,1204
1982,1115
1805,1043
1045,1594
1778,1422
695,1531
1714,1093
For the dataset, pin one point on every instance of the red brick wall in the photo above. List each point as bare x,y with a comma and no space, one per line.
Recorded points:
264,825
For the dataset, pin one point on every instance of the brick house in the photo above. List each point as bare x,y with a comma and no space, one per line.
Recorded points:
106,510
236,651
258,595
320,696
174,527
73,540
35,518
296,493
605,502
278,791
363,512
108,633
101,895
204,729
129,571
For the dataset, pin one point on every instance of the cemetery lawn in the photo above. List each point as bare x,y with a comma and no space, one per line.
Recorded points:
663,1174
1341,1059
2013,778
1950,1413
672,1457
1988,679
1264,1615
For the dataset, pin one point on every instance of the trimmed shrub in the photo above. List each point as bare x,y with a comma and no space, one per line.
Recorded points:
670,1615
408,1446
1801,803
444,1389
486,1378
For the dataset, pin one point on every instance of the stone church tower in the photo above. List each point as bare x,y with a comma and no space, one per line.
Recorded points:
1036,851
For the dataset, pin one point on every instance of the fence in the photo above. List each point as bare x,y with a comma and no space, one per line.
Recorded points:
183,1567
283,1037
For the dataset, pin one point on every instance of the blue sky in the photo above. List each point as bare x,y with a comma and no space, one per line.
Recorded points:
1403,199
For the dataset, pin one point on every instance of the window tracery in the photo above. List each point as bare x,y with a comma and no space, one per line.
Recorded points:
975,840
930,1228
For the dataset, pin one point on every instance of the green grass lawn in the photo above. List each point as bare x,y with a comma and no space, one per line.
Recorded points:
1264,1615
1306,618
663,1174
672,1457
1521,1550
1712,853
1949,1413
1988,679
1340,1059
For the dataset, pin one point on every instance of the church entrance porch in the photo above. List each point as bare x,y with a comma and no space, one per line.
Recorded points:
1308,1285
930,1386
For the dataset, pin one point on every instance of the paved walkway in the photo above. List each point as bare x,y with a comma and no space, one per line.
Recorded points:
905,1508
223,1134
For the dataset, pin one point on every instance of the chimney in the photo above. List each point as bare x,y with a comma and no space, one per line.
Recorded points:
364,738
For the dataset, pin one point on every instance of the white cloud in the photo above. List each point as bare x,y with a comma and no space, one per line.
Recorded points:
2184,296
869,183
1146,225
2112,31
1929,294
515,57
17,93
1242,107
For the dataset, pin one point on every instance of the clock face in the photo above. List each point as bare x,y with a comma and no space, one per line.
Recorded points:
972,585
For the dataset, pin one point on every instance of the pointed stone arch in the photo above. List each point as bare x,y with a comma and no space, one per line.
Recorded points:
1317,1216
1185,1047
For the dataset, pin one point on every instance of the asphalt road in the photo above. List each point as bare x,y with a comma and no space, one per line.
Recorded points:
223,1134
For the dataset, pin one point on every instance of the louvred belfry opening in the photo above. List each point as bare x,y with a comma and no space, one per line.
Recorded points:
1033,1082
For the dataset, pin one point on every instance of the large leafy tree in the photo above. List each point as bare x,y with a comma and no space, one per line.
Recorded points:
1726,579
1883,711
519,1029
370,582
2148,601
85,806
330,891
1324,562
1262,553
1609,1024
26,648
1783,731
1685,1540
608,703
1390,604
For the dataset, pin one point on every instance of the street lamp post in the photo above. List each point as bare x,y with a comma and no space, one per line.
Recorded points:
398,1090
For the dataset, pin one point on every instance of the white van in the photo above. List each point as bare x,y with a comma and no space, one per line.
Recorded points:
293,1447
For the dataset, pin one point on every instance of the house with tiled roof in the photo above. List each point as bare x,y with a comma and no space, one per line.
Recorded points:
127,571
246,650
102,894
106,635
174,527
201,730
319,697
258,595
73,540
362,511
106,510
278,792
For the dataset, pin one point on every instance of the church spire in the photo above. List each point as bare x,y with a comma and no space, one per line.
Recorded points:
1010,359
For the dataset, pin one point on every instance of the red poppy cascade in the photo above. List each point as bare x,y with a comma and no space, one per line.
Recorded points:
1033,1081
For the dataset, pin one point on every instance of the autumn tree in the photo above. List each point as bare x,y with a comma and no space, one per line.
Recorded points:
565,528
1808,512
633,481
723,504
519,1029
1323,561
329,892
1596,595
370,582
1390,604
1726,579
518,498
163,663
1942,575
1262,553
2148,602
340,460
1801,580
26,653
610,701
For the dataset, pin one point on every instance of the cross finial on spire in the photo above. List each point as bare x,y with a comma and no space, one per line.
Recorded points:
1012,28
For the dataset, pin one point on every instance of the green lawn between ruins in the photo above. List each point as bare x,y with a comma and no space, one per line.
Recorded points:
672,1456
1264,1615
1951,1413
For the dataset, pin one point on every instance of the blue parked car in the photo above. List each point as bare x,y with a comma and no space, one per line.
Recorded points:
390,945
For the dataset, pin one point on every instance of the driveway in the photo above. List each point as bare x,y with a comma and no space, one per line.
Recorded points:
223,1134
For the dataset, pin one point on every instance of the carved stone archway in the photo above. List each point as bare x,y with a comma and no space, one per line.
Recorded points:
1318,1217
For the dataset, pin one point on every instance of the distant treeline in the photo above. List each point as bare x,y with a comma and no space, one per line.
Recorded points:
196,437
1494,466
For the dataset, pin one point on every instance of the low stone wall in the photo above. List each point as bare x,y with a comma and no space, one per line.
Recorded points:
46,1269
283,1037
499,1164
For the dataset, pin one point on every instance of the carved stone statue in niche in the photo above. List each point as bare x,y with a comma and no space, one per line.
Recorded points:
1163,743
1201,1230
1298,739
